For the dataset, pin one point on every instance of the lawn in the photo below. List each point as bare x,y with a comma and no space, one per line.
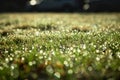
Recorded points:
59,46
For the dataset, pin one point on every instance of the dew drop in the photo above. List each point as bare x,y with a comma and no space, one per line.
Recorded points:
57,74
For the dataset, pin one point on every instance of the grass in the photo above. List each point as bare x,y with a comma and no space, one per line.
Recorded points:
60,46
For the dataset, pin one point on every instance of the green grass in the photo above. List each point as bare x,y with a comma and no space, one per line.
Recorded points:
60,46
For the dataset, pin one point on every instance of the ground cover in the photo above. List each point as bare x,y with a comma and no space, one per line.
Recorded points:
60,46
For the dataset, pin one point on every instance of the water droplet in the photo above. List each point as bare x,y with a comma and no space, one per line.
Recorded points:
7,60
57,74
41,51
30,63
97,58
70,71
49,58
83,46
97,51
22,58
6,51
40,57
11,58
78,50
66,63
1,68
12,67
49,69
37,33
90,68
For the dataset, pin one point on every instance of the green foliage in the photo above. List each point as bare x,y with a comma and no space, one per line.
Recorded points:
50,47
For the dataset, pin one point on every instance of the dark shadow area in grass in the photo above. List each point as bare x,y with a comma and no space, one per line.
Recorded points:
6,32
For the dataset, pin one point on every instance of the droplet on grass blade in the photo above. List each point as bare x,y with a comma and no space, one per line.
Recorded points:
6,51
37,33
1,68
40,57
49,58
22,58
11,59
12,67
78,50
90,68
83,46
97,58
118,54
70,71
49,69
7,60
57,74
30,63
66,63
97,51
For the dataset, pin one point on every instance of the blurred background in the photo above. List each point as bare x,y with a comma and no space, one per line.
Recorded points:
60,5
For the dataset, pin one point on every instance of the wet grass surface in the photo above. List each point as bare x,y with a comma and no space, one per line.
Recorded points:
60,46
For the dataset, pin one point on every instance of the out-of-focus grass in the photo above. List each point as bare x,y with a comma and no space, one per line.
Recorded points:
53,46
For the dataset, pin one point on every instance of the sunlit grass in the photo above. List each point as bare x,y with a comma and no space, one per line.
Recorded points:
52,46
